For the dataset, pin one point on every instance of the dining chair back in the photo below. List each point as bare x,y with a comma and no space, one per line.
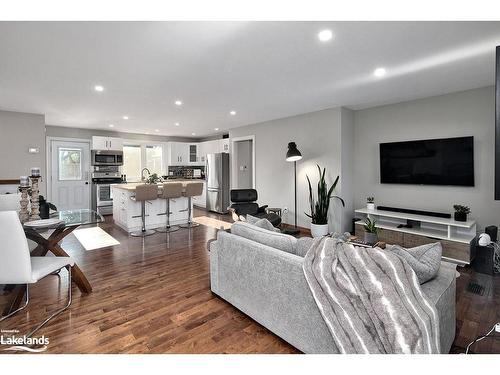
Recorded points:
17,266
15,262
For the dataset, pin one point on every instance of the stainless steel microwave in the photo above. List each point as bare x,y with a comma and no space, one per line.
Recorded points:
107,157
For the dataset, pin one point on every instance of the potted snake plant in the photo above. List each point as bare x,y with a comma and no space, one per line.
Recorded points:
320,204
371,230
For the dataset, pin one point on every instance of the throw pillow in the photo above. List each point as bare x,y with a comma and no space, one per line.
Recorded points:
251,219
265,224
425,260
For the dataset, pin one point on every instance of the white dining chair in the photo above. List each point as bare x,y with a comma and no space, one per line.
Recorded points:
18,267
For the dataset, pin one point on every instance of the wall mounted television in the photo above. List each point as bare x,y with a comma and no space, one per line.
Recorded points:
446,161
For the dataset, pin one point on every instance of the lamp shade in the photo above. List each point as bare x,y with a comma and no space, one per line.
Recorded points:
293,154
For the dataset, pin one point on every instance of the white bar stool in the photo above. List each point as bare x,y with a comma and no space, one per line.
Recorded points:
193,189
144,193
170,191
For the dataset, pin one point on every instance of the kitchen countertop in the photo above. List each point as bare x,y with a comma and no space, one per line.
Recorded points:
132,186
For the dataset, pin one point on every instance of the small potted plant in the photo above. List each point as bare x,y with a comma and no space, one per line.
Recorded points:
320,205
153,179
461,212
370,203
370,231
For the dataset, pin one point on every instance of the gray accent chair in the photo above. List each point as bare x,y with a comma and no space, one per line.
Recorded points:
254,270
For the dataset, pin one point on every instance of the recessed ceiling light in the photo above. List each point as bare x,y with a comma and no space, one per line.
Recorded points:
111,126
125,117
178,102
379,72
325,35
216,129
98,88
193,133
232,113
176,124
157,130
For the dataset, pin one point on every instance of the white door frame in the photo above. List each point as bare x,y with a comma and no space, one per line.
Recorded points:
48,149
234,167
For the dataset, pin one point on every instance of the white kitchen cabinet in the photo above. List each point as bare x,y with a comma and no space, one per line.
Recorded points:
194,154
107,143
213,147
126,212
179,153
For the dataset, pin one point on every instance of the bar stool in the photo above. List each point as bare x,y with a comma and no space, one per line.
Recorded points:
144,193
170,191
193,189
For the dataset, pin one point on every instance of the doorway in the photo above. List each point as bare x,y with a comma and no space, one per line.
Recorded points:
69,173
243,171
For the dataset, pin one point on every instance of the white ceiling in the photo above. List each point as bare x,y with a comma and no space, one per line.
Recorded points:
262,70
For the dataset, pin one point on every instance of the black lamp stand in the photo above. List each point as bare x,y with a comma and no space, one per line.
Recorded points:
294,231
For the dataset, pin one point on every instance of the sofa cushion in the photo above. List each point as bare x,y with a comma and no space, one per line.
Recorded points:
303,245
266,224
425,260
266,237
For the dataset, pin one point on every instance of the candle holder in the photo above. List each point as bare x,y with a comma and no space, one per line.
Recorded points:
35,208
24,213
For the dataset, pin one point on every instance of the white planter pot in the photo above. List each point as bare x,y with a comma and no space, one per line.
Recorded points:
370,206
319,230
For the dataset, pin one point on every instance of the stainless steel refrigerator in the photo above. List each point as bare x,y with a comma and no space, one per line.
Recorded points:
217,174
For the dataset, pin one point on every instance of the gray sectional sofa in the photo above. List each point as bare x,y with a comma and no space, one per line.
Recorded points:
260,273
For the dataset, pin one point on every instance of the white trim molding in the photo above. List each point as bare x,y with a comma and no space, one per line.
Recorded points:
234,167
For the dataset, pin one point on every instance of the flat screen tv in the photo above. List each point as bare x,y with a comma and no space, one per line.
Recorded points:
447,161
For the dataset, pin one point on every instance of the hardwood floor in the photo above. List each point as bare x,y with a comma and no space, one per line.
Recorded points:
150,295
153,295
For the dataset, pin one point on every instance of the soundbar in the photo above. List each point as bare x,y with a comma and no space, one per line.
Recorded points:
414,212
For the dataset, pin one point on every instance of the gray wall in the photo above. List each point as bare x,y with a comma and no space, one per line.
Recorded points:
318,137
64,132
243,160
18,132
347,167
465,113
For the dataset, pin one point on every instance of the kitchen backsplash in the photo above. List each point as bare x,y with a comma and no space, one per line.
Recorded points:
186,172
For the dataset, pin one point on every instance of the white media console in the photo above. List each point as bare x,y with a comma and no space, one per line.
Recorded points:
455,236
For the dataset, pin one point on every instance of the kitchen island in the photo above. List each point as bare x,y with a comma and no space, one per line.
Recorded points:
127,212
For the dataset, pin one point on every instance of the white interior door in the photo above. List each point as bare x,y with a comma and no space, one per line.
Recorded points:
70,175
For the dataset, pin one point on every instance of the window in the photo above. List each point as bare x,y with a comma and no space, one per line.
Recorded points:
138,156
132,162
154,159
70,164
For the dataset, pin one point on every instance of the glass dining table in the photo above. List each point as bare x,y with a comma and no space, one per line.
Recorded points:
48,240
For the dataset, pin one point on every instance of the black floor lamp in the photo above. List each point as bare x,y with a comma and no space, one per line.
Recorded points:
292,155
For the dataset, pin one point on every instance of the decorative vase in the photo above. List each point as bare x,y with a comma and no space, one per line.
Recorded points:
319,230
370,206
371,238
460,216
